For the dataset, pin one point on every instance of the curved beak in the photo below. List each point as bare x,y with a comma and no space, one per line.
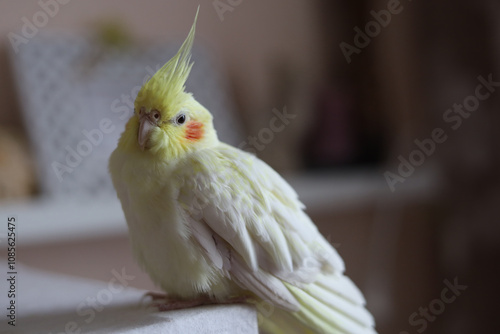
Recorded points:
145,127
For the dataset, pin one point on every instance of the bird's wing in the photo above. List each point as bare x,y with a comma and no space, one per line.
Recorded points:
251,224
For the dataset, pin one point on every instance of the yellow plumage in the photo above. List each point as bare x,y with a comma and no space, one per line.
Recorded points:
208,220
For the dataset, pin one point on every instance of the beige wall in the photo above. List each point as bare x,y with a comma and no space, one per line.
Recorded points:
250,39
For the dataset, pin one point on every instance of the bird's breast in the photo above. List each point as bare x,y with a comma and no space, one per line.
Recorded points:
162,243
160,235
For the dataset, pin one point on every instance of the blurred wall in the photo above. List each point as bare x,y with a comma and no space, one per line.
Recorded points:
249,39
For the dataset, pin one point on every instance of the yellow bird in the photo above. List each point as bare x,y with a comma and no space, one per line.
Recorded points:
213,224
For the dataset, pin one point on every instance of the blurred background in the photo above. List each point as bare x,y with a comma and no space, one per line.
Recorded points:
382,115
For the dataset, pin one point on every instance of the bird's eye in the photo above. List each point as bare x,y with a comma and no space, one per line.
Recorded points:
156,115
180,119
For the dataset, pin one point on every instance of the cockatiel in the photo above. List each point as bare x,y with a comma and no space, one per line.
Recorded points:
213,224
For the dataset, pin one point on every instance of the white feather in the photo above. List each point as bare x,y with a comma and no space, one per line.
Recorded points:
225,217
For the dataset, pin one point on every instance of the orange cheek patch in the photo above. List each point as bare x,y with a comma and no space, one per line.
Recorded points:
194,130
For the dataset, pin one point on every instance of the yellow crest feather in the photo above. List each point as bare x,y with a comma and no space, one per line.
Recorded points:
169,81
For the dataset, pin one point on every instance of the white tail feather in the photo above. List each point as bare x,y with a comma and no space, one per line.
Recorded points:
331,305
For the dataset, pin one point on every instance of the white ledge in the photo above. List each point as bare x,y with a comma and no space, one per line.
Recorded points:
51,304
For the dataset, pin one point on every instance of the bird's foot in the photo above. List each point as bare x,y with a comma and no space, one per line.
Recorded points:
164,303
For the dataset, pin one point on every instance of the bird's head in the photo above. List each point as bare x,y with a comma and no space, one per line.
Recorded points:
168,121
